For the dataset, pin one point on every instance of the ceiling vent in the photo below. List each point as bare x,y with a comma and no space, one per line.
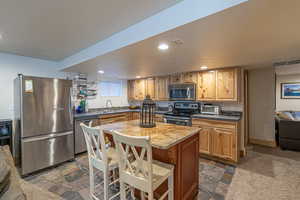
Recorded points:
177,42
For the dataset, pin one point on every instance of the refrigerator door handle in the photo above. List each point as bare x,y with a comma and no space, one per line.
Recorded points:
47,137
71,106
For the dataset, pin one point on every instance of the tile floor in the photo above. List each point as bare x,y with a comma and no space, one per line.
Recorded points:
71,180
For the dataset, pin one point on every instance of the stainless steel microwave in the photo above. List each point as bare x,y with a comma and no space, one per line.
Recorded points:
182,91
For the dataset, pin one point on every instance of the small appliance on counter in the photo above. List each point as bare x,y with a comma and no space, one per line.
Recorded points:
210,109
134,107
182,113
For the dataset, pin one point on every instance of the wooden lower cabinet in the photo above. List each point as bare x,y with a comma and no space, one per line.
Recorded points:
113,118
184,156
159,118
218,139
223,144
133,115
205,141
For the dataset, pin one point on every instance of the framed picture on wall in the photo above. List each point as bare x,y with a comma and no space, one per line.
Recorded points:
290,90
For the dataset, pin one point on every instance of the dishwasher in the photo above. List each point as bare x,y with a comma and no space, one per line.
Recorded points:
80,145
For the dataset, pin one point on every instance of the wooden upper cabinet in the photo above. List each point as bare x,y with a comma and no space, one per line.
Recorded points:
130,89
213,85
190,77
140,89
206,89
176,78
227,84
150,87
224,144
161,88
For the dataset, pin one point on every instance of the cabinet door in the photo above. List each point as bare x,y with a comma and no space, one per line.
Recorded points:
135,115
140,89
130,89
161,88
207,85
205,141
176,78
226,84
150,87
224,144
190,77
159,118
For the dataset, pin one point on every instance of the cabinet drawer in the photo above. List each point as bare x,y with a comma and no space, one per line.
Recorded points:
214,123
109,116
36,152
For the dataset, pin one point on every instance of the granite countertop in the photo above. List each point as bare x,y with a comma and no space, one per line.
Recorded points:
217,117
96,114
163,136
116,111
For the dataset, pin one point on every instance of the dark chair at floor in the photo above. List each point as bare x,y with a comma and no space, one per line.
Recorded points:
288,124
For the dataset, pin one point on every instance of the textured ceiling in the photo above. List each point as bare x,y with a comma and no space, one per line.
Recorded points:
56,29
253,34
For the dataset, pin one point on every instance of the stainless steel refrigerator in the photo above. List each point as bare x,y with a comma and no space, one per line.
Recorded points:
44,129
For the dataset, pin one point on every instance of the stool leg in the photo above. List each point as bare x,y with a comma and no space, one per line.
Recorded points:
92,183
171,187
105,184
114,177
150,196
143,195
132,193
122,190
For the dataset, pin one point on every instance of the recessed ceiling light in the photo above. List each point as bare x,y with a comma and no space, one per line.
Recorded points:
138,76
101,72
1,37
203,67
163,46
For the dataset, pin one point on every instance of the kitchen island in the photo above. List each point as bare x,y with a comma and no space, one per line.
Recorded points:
173,144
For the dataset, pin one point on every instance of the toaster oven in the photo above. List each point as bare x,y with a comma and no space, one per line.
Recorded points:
210,109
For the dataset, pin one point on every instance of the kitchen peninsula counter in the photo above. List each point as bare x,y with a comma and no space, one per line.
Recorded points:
173,144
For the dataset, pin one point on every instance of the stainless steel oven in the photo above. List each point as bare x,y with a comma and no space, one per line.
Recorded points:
182,113
182,91
183,121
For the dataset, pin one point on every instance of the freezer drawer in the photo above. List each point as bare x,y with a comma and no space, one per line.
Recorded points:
46,151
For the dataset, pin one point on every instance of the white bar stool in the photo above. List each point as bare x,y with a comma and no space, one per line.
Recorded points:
101,158
140,171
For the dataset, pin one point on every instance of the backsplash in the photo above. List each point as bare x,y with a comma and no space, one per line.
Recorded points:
225,106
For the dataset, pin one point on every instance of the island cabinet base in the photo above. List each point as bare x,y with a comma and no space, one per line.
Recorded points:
185,158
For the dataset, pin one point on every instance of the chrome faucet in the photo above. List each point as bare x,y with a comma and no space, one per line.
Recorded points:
109,103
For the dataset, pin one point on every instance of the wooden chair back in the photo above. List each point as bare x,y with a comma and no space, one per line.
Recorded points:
135,160
96,147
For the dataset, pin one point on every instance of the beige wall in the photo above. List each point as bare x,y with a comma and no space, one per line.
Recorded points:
286,104
262,104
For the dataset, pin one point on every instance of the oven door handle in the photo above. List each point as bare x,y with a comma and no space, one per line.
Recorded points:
180,120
